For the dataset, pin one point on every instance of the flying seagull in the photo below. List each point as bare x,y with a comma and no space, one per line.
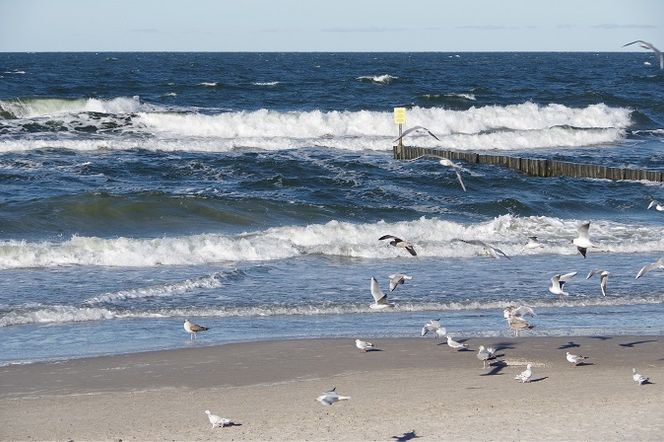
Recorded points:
657,205
398,242
646,45
603,275
396,279
558,281
380,298
525,375
218,421
447,163
659,264
582,242
489,249
575,359
365,346
435,328
330,397
192,328
415,129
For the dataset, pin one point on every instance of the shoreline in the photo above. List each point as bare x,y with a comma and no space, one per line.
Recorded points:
269,388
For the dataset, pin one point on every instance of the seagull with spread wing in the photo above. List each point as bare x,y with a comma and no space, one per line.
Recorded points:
603,275
399,243
415,129
646,45
558,282
380,298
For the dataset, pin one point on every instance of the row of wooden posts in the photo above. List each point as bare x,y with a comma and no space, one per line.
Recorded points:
534,167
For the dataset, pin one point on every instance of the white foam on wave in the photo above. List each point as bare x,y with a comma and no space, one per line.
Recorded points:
432,238
380,79
208,83
42,107
266,83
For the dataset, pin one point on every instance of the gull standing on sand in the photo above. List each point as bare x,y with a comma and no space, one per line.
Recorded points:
639,377
646,45
659,264
575,359
657,205
365,346
486,354
399,243
380,298
217,421
454,344
192,328
489,249
558,282
435,328
582,242
415,129
396,279
330,397
525,375
603,277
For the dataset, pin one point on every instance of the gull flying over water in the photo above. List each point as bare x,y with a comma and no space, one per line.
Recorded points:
657,205
330,397
448,163
603,275
192,328
575,359
435,328
400,243
525,375
454,344
217,421
582,242
659,264
558,282
364,345
380,298
415,129
646,45
638,377
396,279
489,249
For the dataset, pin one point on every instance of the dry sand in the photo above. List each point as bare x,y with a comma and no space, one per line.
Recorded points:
412,384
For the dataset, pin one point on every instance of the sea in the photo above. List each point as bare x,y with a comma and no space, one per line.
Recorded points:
247,192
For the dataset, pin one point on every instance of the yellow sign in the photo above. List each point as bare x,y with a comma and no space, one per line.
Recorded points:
400,115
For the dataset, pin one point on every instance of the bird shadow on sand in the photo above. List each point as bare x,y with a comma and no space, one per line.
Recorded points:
503,346
538,379
371,350
601,338
233,424
496,368
632,344
406,436
581,364
570,344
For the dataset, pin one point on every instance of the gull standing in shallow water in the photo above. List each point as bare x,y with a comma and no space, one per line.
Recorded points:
575,359
558,281
435,328
515,318
192,328
330,397
603,275
646,45
525,375
659,264
639,377
399,243
396,279
582,242
380,298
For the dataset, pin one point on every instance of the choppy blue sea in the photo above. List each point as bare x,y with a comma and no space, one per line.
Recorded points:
247,192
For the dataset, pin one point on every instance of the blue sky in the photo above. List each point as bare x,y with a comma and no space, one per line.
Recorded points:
335,25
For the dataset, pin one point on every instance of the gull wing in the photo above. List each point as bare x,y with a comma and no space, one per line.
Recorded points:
648,267
594,272
390,237
602,284
652,203
583,231
566,277
638,41
414,129
377,293
460,180
496,251
197,328
523,311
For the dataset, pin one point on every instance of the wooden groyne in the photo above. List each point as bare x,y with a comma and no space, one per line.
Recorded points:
534,167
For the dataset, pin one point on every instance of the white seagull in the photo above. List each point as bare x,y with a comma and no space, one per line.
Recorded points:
533,243
217,421
575,359
646,45
582,242
603,275
330,397
396,279
456,168
558,282
639,377
415,129
363,345
489,249
380,298
515,318
517,324
525,375
454,344
485,354
435,328
192,328
657,205
398,242
659,264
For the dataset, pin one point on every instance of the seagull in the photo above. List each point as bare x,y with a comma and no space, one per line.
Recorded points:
533,243
519,312
454,344
517,324
558,281
396,279
380,298
485,354
363,345
646,45
330,397
435,328
657,205
525,375
575,359
447,163
603,275
490,250
192,328
218,421
659,264
639,377
398,242
415,129
582,242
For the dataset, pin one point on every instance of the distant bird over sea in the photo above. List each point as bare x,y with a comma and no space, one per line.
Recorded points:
396,279
380,298
433,326
659,264
448,163
603,275
558,282
575,359
330,397
488,249
525,375
582,242
646,45
415,129
399,243
657,205
193,329
365,346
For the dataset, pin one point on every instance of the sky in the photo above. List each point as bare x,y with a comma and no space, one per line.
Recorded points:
334,25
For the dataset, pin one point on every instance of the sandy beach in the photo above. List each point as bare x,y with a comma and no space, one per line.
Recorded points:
269,389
